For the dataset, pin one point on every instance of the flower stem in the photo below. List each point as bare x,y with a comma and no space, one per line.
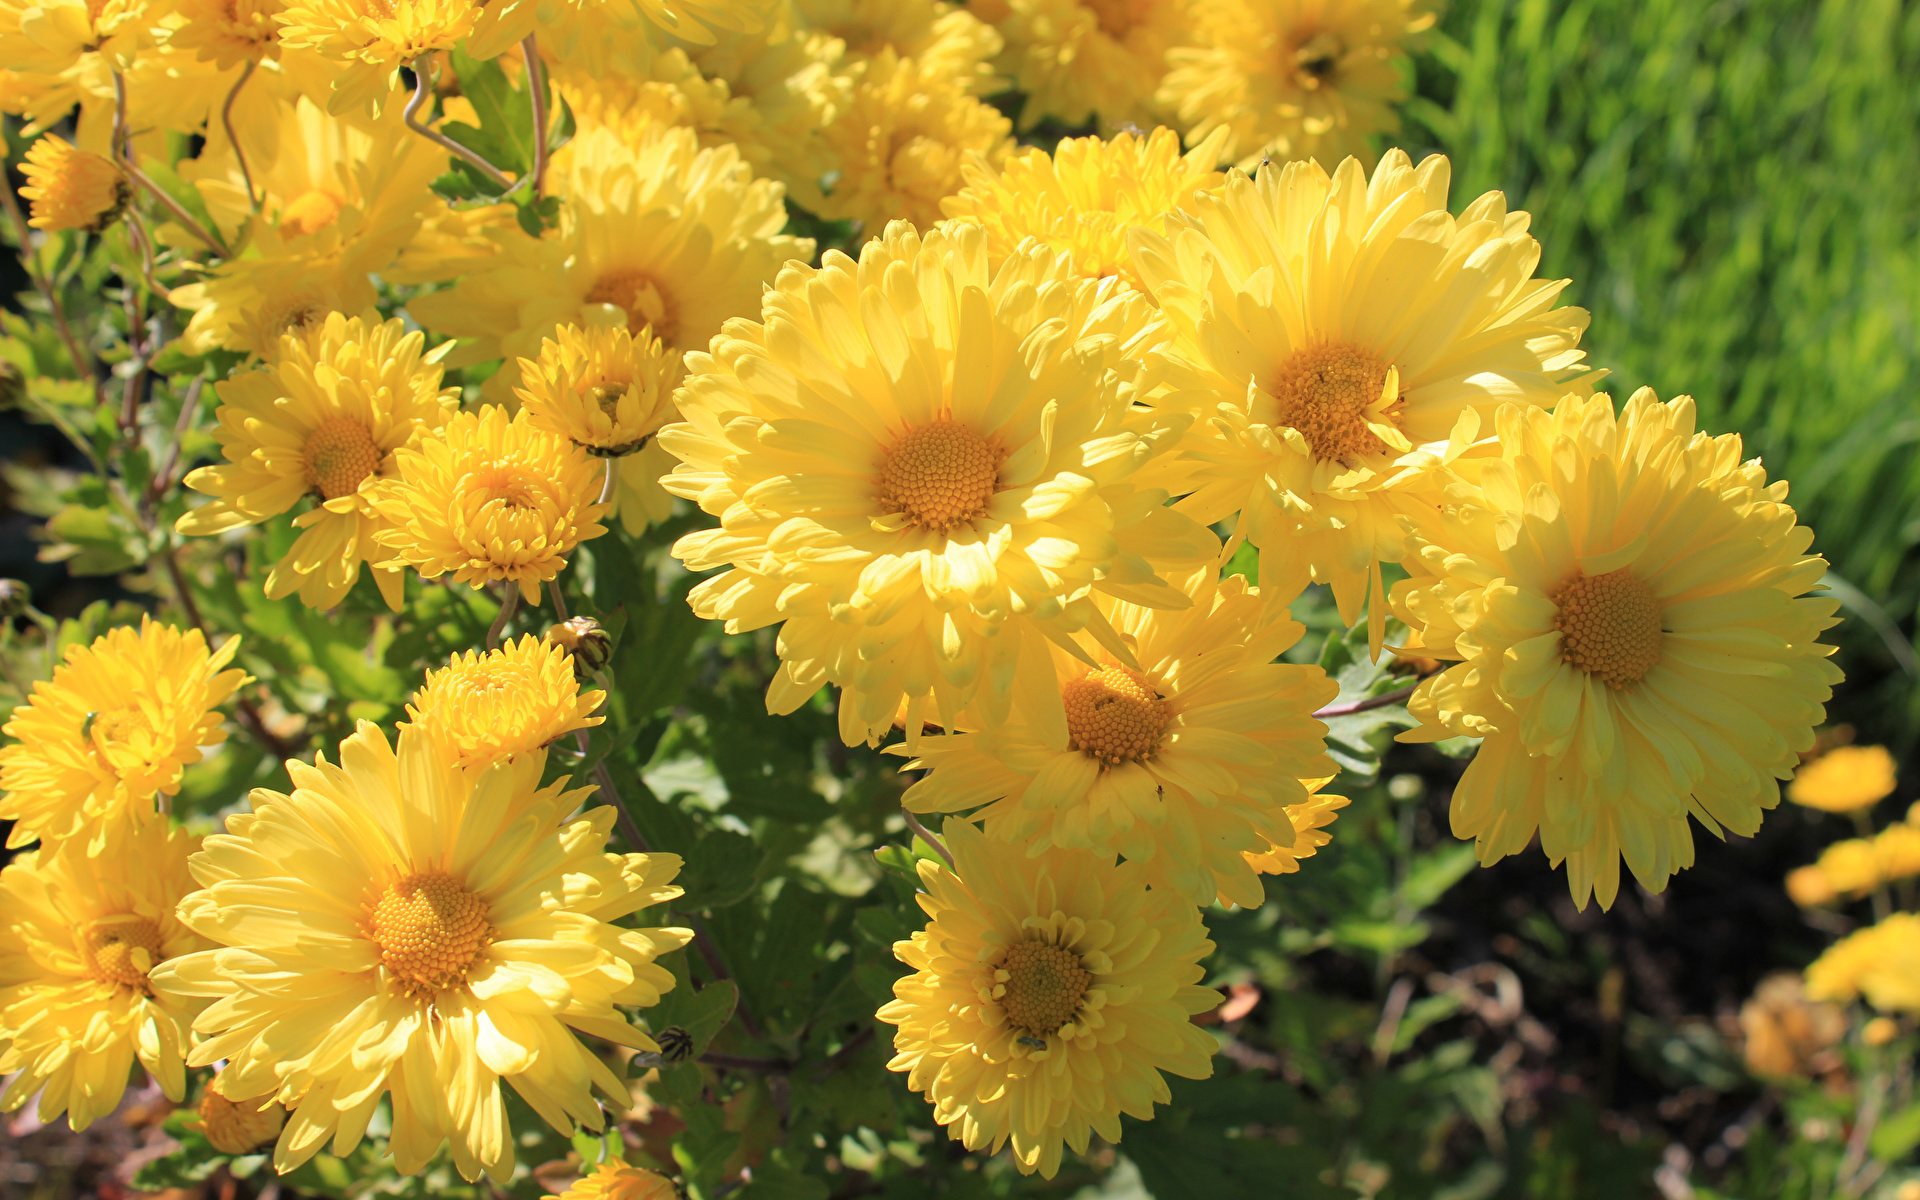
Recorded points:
920,831
226,122
422,86
509,604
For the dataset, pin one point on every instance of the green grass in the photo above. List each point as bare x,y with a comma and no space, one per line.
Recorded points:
1734,188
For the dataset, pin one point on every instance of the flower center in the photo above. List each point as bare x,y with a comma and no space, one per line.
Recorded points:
430,931
940,475
636,294
1326,392
122,949
340,455
1044,986
1114,715
309,212
1316,59
1609,626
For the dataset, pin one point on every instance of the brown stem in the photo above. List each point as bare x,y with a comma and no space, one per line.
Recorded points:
83,364
123,154
839,1058
1367,705
226,122
422,85
163,480
920,831
509,604
537,91
250,716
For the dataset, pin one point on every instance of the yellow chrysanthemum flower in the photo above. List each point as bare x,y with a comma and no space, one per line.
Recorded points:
926,470
1629,600
79,936
1857,866
71,189
323,421
1309,822
1881,962
950,41
238,1126
112,731
1049,993
485,708
54,37
248,304
608,392
328,187
615,1180
1785,1034
899,141
1844,779
490,497
569,24
1077,59
399,927
370,40
228,33
1187,763
1293,79
1085,197
661,235
1328,327
767,95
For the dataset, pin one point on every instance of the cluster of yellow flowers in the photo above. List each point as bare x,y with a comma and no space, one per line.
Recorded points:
416,922
974,474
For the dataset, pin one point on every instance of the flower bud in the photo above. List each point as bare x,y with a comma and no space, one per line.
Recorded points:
585,639
236,1128
15,598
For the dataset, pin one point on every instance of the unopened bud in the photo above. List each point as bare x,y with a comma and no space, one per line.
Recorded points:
1880,1031
15,598
236,1128
585,639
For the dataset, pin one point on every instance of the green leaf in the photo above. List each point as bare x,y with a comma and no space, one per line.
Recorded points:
721,869
1897,1135
1433,873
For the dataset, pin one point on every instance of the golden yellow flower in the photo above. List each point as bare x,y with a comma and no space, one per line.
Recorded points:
1293,79
112,731
484,708
1786,1035
1856,866
1049,993
489,497
1629,599
54,37
238,1126
659,235
767,94
1188,762
898,143
608,392
71,189
615,1180
1881,962
1844,779
79,938
322,421
1078,59
228,32
353,189
1328,327
899,475
950,41
248,304
370,40
1309,822
399,927
568,24
1086,197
